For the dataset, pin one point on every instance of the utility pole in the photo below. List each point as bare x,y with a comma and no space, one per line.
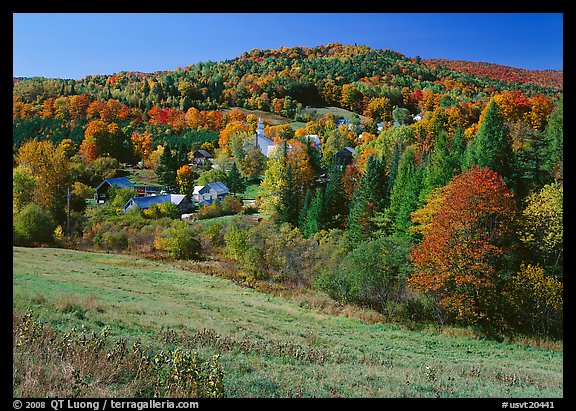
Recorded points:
68,213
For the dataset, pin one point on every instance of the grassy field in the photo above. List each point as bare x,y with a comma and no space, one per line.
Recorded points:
270,346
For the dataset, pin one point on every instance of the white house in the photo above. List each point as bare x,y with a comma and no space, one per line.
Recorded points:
209,193
146,202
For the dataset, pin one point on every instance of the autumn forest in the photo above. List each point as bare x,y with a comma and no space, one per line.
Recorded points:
447,210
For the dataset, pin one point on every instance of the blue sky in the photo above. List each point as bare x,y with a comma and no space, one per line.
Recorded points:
73,45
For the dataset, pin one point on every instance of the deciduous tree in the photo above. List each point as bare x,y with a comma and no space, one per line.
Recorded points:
461,259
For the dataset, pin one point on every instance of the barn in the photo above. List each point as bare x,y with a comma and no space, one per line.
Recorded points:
101,194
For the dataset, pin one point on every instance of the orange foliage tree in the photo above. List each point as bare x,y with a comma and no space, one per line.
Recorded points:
462,254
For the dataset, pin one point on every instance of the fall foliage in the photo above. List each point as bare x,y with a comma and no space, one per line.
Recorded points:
460,258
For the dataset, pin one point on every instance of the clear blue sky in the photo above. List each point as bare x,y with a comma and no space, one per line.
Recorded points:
73,45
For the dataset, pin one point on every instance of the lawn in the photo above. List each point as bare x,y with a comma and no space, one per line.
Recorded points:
270,346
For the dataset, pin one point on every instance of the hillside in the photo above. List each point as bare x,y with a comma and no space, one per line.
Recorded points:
269,346
545,78
439,202
278,80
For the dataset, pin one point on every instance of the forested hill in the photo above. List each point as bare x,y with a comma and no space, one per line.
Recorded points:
408,187
283,80
546,78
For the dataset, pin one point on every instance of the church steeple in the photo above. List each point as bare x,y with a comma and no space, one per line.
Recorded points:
260,128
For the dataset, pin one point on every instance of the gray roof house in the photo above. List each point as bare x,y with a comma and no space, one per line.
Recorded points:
202,156
146,202
101,194
345,156
209,193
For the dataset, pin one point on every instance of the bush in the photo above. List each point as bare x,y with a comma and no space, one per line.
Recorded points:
372,274
236,240
536,302
114,240
231,205
167,209
179,240
32,226
209,211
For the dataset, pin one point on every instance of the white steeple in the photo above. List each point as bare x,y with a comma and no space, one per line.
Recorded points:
260,128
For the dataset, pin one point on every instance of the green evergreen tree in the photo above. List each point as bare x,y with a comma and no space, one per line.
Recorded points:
368,200
528,172
314,220
439,169
166,170
289,200
492,145
395,160
554,142
302,215
404,198
234,180
335,201
457,149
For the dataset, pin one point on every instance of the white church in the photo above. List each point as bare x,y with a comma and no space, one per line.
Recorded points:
265,144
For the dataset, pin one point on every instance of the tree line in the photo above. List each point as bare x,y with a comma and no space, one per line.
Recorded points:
461,206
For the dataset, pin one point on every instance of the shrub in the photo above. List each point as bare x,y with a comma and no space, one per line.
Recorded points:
536,301
32,226
179,240
114,240
231,205
167,209
214,233
236,240
372,274
209,211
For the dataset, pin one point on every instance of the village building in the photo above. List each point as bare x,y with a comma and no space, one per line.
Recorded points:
101,193
143,203
201,157
207,194
265,144
345,156
314,139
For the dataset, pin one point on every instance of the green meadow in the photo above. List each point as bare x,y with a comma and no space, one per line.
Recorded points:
271,346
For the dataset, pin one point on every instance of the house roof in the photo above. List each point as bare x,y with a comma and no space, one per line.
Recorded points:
177,198
219,187
203,153
346,151
147,201
314,138
197,189
117,182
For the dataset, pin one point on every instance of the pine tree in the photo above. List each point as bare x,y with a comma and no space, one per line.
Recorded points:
396,154
304,210
234,180
492,145
289,200
439,169
166,170
404,198
554,142
335,202
457,149
314,220
370,198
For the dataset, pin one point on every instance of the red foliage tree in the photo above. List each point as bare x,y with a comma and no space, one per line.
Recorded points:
460,259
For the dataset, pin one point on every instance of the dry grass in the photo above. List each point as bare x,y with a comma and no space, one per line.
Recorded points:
47,363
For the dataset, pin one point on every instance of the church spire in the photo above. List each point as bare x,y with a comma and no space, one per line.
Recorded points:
260,128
